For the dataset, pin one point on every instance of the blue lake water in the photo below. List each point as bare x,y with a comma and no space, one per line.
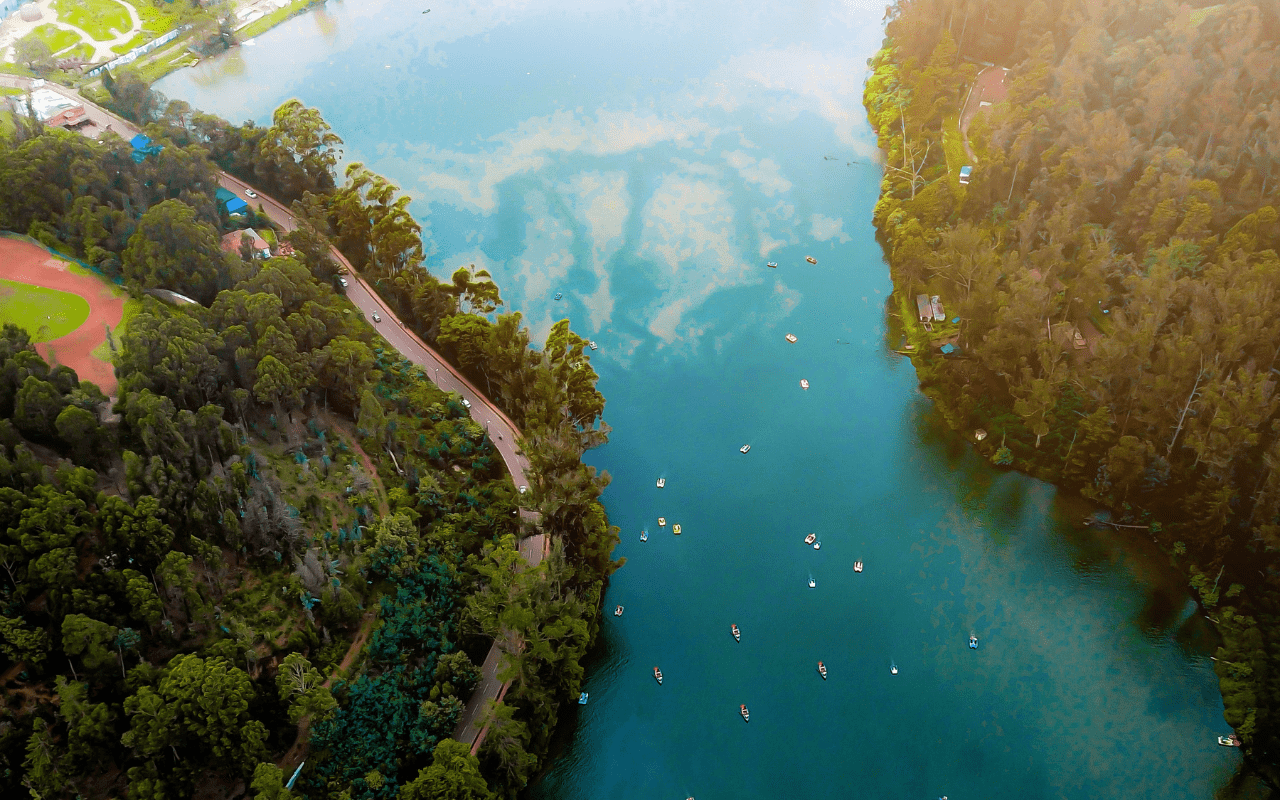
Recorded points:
646,159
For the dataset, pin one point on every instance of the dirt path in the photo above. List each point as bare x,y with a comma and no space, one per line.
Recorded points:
27,263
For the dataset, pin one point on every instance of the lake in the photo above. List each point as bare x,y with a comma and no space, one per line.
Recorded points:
646,159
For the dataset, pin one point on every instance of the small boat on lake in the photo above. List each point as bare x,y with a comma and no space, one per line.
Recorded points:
676,529
737,634
657,675
791,337
582,699
746,448
772,265
644,536
812,583
662,482
857,566
822,670
1229,741
804,384
973,642
810,538
893,669
559,295
811,259
617,612
746,715
817,545
592,345
662,522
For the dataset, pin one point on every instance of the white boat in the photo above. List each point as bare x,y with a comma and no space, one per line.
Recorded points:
582,699
644,536
822,670
1229,741
893,669
811,259
662,482
617,612
857,566
812,583
676,529
817,545
662,522
772,265
804,384
737,634
592,345
657,675
791,337
746,448
746,715
810,538
973,642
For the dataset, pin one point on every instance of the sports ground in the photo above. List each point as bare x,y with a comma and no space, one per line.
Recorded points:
65,308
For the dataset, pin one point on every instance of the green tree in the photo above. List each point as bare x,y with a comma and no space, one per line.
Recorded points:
173,249
88,638
302,688
36,408
454,774
20,643
81,431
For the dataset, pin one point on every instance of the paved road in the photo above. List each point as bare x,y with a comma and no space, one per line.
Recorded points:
990,86
501,429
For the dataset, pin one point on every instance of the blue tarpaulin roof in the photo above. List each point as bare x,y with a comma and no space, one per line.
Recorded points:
140,141
948,349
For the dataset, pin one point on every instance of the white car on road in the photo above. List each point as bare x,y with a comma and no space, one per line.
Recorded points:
466,402
376,318
250,193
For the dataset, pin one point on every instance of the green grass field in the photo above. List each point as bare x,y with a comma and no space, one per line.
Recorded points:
45,313
95,17
57,39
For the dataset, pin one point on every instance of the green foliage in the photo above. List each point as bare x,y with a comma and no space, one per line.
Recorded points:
454,774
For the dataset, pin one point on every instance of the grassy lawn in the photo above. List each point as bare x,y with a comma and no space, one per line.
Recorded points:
57,39
156,20
7,128
46,314
139,39
269,21
953,146
97,18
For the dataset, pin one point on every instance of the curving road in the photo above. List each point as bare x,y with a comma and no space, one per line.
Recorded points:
502,430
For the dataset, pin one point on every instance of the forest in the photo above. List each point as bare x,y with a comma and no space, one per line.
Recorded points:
281,541
1110,275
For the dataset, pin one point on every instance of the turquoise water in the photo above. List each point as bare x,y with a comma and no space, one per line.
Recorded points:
646,159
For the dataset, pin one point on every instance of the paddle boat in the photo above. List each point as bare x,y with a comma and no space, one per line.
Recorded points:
737,634
804,384
772,265
1229,741
817,545
746,715
746,448
822,670
662,522
559,295
857,566
812,583
893,669
592,345
810,538
973,642
811,259
662,482
582,699
791,337
617,612
675,529
657,675
644,536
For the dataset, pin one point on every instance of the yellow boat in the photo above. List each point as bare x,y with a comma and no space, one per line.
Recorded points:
675,529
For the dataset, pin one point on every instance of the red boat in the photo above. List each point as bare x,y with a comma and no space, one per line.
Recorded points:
822,670
657,674
746,715
736,633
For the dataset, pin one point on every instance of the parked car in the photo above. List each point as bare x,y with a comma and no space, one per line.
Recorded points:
376,318
524,489
250,193
343,282
965,172
466,402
